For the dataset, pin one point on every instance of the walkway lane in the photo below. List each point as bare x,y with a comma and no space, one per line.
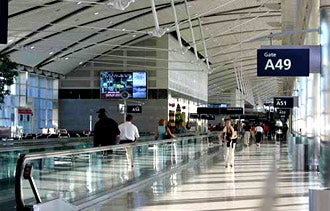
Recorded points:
87,178
211,186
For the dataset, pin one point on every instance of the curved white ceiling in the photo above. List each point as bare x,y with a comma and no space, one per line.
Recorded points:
58,36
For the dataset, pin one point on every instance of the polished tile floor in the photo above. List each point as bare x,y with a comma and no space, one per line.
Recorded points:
183,176
262,179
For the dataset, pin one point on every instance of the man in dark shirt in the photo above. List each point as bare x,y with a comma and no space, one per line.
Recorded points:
105,130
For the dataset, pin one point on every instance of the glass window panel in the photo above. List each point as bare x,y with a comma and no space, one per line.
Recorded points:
35,92
36,104
33,80
30,92
49,104
42,82
49,115
41,123
55,84
42,104
55,94
22,78
22,90
49,94
15,100
42,93
49,84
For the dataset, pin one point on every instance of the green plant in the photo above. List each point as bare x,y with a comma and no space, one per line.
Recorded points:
7,75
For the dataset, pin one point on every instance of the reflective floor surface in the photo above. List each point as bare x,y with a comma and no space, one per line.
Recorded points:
183,176
262,179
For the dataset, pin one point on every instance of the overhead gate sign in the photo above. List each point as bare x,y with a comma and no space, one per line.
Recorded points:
283,102
283,62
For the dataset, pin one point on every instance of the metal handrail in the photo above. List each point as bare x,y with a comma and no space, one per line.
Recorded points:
33,156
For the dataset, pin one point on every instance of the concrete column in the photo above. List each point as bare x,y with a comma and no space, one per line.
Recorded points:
325,92
295,110
309,105
314,93
301,113
325,79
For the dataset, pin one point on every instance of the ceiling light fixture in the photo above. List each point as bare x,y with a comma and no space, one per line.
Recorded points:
96,13
79,2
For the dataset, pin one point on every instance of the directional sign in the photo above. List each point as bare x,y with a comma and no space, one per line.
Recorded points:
283,112
207,116
231,110
228,110
206,110
193,116
283,102
134,109
283,62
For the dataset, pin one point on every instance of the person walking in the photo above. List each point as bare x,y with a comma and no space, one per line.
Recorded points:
247,134
129,133
230,137
105,130
162,131
253,132
259,132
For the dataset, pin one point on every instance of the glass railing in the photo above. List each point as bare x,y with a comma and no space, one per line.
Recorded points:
82,175
8,155
10,152
304,152
324,164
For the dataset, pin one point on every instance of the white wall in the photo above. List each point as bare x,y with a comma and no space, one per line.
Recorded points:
145,57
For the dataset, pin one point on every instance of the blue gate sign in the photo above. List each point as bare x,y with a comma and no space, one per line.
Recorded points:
283,62
283,102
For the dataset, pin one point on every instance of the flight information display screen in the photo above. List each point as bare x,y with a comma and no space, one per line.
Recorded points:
113,83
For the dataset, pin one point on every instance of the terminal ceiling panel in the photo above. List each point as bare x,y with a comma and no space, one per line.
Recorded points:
59,36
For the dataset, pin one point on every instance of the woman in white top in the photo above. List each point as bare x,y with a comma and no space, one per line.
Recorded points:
230,137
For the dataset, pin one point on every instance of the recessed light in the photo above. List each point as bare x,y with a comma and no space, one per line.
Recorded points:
80,63
50,53
134,35
123,29
96,13
66,58
79,2
32,47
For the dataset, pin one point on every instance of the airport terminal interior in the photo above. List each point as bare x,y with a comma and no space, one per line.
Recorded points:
184,68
